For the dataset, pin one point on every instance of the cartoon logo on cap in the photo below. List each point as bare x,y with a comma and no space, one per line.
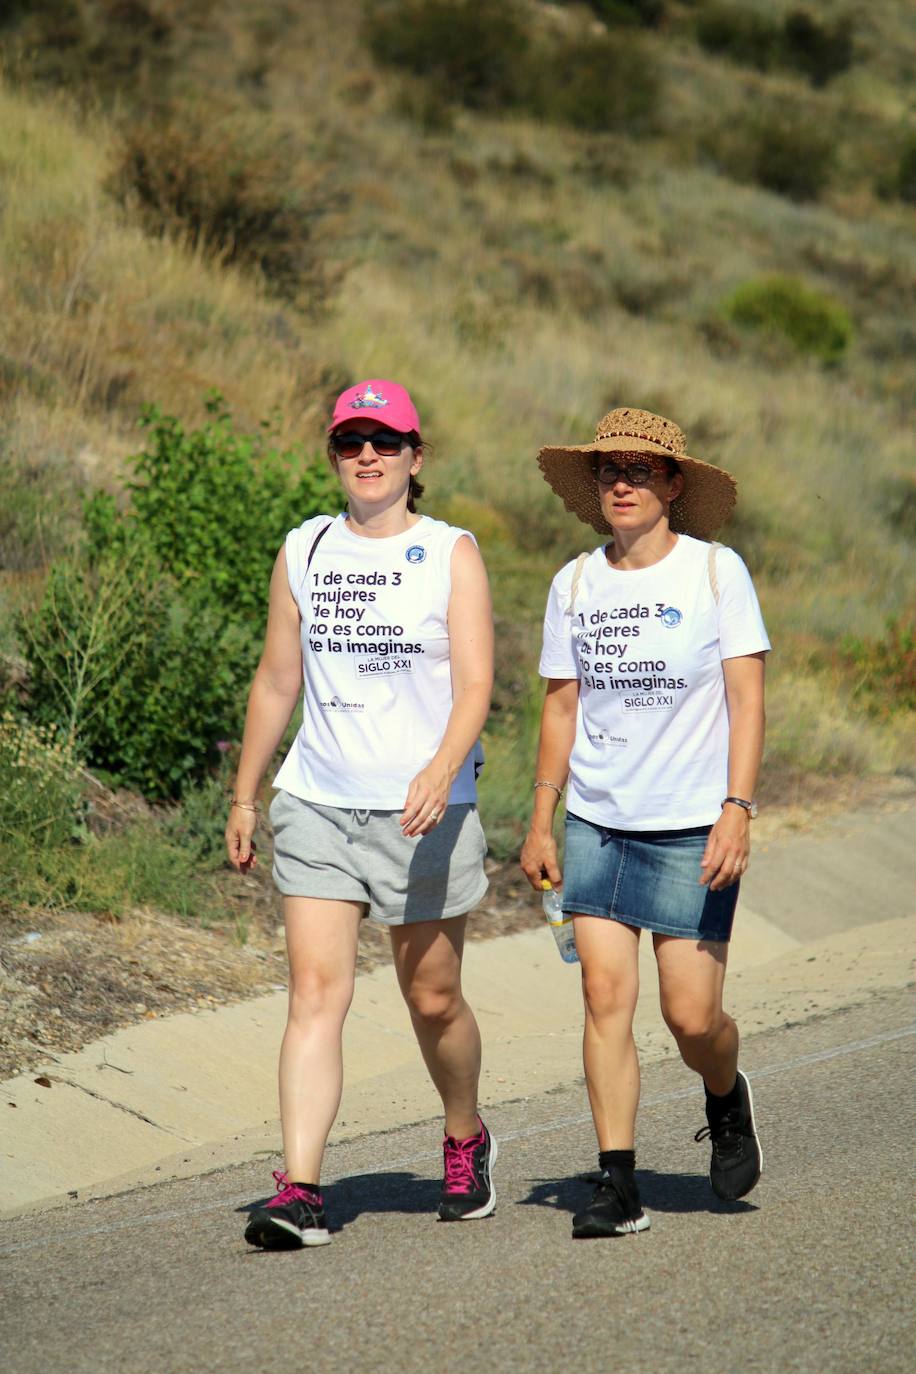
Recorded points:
369,400
415,554
670,616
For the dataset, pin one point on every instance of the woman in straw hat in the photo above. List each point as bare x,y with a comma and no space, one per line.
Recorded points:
654,652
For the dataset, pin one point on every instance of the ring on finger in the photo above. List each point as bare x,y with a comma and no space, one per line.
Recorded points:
434,815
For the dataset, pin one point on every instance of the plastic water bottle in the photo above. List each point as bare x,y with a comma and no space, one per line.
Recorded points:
561,925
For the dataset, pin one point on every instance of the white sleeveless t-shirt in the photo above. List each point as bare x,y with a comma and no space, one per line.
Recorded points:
375,658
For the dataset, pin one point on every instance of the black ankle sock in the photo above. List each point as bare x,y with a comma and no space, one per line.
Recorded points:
310,1187
718,1104
617,1159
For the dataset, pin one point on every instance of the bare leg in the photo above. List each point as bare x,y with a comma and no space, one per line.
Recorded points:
609,954
427,957
690,977
321,938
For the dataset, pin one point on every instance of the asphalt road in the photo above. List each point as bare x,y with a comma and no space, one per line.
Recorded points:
812,1273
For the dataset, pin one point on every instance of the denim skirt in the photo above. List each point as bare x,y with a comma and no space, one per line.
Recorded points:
644,878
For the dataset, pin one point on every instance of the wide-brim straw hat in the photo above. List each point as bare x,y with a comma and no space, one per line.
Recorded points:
709,493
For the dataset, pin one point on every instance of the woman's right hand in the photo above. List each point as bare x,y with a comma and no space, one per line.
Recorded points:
539,859
240,846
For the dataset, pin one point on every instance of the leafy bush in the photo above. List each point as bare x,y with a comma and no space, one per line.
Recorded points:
39,786
198,824
779,148
904,183
111,875
472,50
599,84
648,13
787,154
229,191
738,33
884,669
814,322
817,48
213,505
481,55
898,501
143,649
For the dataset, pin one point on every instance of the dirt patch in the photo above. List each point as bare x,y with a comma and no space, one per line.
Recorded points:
67,978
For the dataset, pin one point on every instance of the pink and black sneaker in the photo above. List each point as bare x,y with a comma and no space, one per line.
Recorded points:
293,1218
467,1190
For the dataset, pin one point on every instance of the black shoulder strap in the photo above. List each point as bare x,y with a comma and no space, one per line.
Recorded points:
315,542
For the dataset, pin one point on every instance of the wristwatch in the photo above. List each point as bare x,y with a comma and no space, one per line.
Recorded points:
749,806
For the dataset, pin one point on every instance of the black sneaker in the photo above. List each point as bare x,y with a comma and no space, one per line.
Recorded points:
737,1159
295,1217
467,1190
615,1208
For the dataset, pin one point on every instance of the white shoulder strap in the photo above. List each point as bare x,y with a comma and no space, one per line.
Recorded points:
577,578
711,570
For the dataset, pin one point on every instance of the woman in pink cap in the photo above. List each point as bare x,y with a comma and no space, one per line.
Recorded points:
383,616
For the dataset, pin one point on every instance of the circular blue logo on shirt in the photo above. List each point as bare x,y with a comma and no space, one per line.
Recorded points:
415,554
670,617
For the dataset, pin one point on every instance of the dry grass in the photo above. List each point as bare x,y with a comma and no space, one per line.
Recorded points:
522,279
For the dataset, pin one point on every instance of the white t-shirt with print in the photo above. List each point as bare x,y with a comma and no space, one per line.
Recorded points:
376,666
647,644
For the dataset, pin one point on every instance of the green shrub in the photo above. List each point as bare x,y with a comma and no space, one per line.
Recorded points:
198,823
599,84
39,786
814,322
779,147
904,183
738,33
481,55
898,503
144,647
111,875
817,48
472,51
786,153
648,13
213,505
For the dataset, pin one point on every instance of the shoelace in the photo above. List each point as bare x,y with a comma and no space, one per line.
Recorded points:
459,1164
726,1135
291,1192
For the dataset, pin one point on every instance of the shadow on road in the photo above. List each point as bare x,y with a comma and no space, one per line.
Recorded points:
350,1198
659,1193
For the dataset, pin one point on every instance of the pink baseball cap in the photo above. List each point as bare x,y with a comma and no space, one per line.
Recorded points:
376,400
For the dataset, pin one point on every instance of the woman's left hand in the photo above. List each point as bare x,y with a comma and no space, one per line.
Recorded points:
727,849
427,798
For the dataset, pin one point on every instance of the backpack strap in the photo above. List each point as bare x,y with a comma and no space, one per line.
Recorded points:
577,578
315,542
711,570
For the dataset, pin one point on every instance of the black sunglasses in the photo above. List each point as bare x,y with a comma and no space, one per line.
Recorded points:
386,443
634,474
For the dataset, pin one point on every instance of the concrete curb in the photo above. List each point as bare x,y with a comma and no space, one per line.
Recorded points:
196,1091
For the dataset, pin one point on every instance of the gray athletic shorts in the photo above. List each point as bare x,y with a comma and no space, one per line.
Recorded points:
362,856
